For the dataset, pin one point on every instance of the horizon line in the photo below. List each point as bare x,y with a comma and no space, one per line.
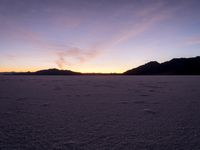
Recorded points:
82,72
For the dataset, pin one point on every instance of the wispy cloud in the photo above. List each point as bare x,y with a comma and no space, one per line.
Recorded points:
61,62
192,41
137,29
11,56
148,18
76,55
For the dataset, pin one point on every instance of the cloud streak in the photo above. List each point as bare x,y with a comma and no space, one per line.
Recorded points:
75,55
193,41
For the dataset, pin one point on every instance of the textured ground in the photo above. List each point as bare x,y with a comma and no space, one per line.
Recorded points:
99,112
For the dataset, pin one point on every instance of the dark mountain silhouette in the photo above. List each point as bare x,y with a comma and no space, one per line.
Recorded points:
177,66
49,72
56,72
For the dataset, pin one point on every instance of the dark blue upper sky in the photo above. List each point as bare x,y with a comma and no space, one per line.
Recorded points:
96,35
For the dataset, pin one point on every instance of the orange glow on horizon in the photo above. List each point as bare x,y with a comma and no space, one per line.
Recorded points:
83,70
18,69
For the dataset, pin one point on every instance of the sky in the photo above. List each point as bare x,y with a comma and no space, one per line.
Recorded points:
96,35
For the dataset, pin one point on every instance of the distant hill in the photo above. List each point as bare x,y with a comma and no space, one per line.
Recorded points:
177,66
56,72
49,72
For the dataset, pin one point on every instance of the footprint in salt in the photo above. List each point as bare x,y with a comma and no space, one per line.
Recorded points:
151,90
44,84
71,144
57,88
149,111
123,102
139,102
87,95
20,99
144,95
45,105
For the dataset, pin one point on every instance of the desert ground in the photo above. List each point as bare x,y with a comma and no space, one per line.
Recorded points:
99,112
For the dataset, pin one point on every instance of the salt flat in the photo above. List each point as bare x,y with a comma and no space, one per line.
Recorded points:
99,112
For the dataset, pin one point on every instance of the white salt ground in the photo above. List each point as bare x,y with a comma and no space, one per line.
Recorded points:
99,112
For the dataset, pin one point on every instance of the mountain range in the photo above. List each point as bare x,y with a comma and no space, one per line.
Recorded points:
176,66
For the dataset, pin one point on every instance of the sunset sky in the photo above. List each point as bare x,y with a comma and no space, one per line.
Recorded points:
96,35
